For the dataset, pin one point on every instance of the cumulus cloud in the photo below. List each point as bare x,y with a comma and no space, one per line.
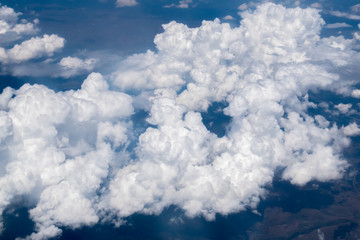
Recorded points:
35,47
20,59
53,135
180,4
243,7
351,129
343,108
355,93
228,17
263,69
73,66
316,5
26,58
126,3
10,27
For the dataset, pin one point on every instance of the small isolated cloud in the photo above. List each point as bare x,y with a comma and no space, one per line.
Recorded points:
243,7
126,3
355,93
228,17
338,25
316,5
61,133
35,47
351,130
180,4
73,66
343,108
357,34
26,57
355,8
10,27
345,15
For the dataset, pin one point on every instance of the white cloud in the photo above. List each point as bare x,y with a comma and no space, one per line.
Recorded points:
355,93
126,3
35,47
345,15
15,59
243,7
184,3
351,129
355,8
228,17
263,69
343,108
11,29
22,59
73,66
337,25
180,4
316,5
357,36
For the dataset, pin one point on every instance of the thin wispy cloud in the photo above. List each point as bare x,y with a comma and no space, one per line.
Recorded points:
338,25
345,15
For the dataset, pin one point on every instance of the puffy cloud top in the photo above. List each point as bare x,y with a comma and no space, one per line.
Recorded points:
73,65
23,58
68,150
10,29
33,48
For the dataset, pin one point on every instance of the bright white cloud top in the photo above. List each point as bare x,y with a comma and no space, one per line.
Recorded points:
11,29
36,47
67,151
33,48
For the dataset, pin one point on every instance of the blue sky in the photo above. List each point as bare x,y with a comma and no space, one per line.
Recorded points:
188,119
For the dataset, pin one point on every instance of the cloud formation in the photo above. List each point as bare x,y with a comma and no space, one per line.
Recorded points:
180,4
59,148
36,47
33,48
11,29
73,66
126,3
68,151
32,56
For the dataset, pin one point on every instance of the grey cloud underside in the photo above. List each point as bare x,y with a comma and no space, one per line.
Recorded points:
69,150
